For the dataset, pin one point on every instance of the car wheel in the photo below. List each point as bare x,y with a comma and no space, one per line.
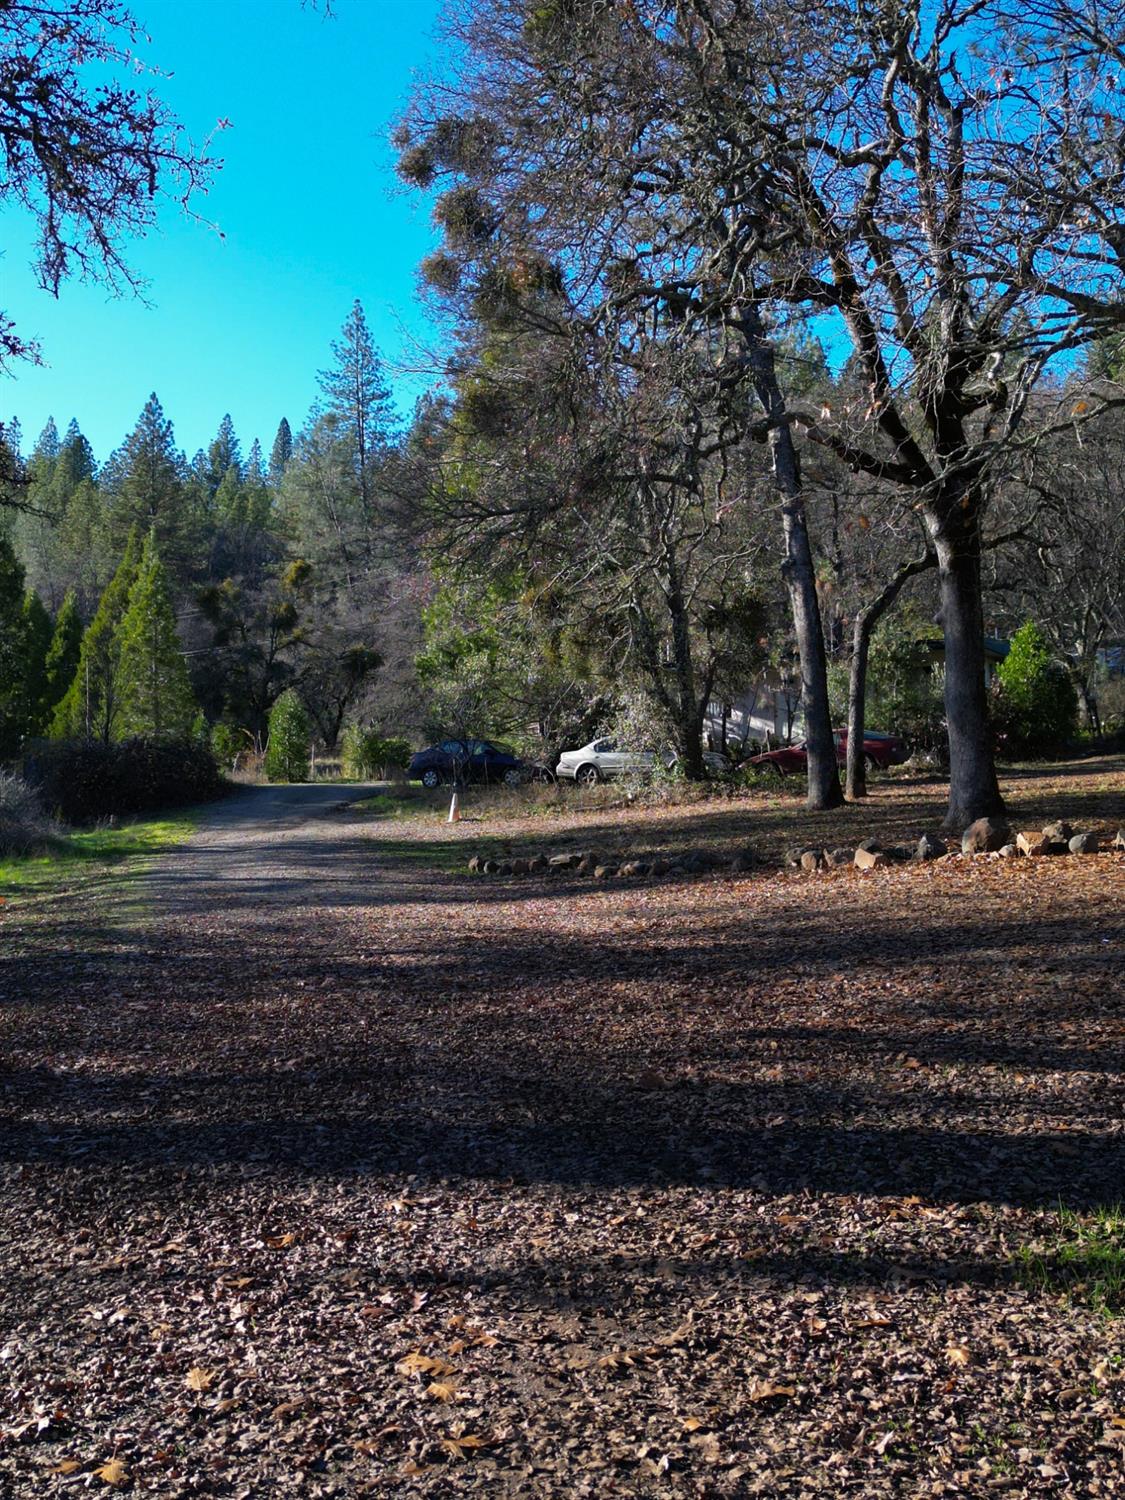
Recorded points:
513,777
587,776
431,778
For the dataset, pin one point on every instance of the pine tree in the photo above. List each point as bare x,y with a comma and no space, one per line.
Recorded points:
281,452
75,463
46,448
287,754
91,706
223,454
62,655
156,696
13,699
149,492
358,397
37,634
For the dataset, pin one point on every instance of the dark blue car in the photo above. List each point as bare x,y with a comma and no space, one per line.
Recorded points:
455,762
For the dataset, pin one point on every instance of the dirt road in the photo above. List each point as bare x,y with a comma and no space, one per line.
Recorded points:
342,1175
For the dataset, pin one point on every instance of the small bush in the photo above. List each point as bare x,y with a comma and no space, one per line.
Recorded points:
287,754
367,753
84,780
23,828
1036,708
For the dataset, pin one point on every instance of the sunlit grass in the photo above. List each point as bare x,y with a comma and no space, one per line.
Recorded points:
78,860
1083,1260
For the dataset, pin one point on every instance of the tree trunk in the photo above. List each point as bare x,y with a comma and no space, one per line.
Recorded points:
798,572
973,789
857,706
865,623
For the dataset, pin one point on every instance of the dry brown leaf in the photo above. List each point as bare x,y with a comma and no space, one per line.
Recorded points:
113,1473
768,1390
695,1424
423,1364
281,1241
441,1392
67,1466
198,1379
958,1354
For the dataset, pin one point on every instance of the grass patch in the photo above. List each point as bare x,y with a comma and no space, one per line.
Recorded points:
82,858
1084,1260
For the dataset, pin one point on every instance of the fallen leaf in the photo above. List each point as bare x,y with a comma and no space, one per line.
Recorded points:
768,1390
114,1473
441,1392
67,1466
958,1354
281,1241
198,1379
423,1364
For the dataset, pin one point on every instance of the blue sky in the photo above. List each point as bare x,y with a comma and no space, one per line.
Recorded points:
312,218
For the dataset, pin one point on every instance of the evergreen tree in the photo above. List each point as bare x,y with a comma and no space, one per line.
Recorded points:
230,499
46,448
223,454
149,493
281,452
75,463
91,706
13,661
155,692
37,634
357,395
62,655
287,754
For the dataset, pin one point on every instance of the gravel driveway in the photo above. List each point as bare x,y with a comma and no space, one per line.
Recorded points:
345,1176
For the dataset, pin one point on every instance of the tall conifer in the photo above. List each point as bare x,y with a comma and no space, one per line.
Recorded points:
13,700
150,491
62,654
281,452
37,633
156,696
91,706
357,395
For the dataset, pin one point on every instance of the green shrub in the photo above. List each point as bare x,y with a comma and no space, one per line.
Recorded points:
84,780
1035,707
366,753
228,742
287,754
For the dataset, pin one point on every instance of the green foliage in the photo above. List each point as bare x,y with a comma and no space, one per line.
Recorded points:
287,754
366,753
149,492
37,632
62,655
155,692
905,687
91,706
13,657
228,742
1036,707
82,780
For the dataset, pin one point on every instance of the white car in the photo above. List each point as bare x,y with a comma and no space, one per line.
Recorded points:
599,761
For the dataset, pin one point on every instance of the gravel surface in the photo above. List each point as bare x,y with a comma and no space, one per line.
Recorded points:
339,1174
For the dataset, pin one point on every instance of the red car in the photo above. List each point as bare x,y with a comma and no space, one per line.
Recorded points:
879,751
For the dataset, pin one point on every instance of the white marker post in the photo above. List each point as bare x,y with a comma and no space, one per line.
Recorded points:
454,812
